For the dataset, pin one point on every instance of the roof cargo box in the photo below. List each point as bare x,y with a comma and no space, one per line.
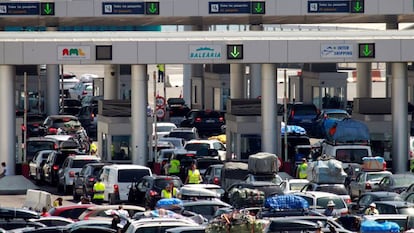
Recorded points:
263,163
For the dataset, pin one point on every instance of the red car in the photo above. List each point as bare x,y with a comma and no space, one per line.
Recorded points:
72,211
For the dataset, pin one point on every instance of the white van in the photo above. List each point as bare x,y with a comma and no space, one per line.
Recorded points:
347,153
118,177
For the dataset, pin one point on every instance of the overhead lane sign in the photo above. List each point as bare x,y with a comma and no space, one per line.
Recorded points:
123,8
366,50
248,7
341,6
19,8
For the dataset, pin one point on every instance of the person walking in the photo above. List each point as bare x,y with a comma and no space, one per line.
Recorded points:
169,191
372,210
98,192
194,176
174,167
330,210
161,72
302,169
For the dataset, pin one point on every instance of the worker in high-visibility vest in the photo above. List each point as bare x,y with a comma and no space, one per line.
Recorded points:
194,176
161,72
174,167
302,169
98,192
170,191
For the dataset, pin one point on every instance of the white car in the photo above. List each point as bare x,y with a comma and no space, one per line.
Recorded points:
72,165
293,185
318,201
212,187
200,145
80,90
162,128
365,181
158,224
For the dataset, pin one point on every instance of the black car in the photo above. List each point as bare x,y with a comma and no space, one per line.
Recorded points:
394,207
206,122
303,115
53,122
88,118
33,123
54,163
147,190
85,179
267,187
369,197
36,144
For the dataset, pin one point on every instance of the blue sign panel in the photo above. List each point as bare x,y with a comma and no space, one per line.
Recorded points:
329,6
123,8
229,7
19,8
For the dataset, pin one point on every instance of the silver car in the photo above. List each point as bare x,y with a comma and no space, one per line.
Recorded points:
365,181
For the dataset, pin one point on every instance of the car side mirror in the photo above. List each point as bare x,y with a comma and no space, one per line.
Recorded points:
77,174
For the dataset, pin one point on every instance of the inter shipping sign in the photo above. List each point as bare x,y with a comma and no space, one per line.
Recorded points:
336,50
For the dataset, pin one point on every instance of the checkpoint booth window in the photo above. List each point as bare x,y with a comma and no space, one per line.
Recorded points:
250,144
120,149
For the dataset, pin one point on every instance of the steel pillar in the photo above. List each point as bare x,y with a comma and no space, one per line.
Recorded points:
111,82
364,82
237,88
269,111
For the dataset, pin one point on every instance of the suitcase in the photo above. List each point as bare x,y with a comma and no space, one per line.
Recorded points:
326,171
263,163
286,202
373,164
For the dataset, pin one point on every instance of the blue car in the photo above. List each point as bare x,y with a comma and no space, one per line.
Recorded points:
302,115
325,119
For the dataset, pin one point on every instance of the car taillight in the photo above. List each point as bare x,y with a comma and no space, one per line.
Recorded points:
52,130
92,116
348,201
368,186
221,119
384,166
116,188
153,193
55,167
216,181
198,119
91,179
55,146
84,93
71,174
36,125
292,114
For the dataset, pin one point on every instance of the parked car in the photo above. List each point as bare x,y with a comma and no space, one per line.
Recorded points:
80,90
301,114
293,185
69,211
206,208
70,166
369,197
365,181
395,182
332,115
206,121
36,165
164,156
338,189
202,147
53,122
274,178
147,191
212,175
54,163
85,179
104,212
118,177
318,201
185,133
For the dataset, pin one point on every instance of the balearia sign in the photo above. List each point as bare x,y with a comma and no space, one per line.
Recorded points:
199,52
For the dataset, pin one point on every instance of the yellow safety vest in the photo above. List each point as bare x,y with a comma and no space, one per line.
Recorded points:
194,177
167,194
174,166
93,147
302,171
98,191
161,67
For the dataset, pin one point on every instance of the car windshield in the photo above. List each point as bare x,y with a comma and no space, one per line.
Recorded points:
129,175
305,110
337,116
197,146
164,128
404,181
376,176
81,163
296,186
162,183
274,179
351,155
185,135
335,189
217,171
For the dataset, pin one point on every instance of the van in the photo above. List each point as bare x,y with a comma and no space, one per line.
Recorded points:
347,153
118,177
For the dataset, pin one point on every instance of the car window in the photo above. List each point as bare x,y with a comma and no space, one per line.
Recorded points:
410,198
386,209
305,110
197,146
335,189
162,183
217,171
351,155
184,135
378,176
129,175
365,200
323,201
406,211
80,163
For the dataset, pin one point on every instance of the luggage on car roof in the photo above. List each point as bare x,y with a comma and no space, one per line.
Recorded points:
286,202
348,130
263,163
326,170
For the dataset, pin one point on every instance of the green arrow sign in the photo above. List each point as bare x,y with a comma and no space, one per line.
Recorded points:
258,7
367,50
234,52
152,8
357,6
47,8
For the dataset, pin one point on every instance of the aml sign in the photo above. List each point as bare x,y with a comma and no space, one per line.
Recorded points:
72,52
199,52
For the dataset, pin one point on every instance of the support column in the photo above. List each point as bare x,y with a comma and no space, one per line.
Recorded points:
187,84
364,80
53,89
391,24
197,72
269,111
139,99
399,117
7,118
111,80
255,88
237,88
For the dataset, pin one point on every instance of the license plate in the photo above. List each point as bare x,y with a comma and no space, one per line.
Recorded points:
210,121
306,121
